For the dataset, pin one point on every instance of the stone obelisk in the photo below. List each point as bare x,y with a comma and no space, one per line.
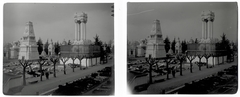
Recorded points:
155,45
28,46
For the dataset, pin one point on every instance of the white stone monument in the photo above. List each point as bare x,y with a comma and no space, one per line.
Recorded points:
14,50
155,46
207,26
178,47
80,20
51,49
207,42
28,46
81,45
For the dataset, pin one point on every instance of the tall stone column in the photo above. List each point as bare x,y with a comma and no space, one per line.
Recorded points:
209,30
206,29
76,30
212,29
82,32
79,29
85,31
203,29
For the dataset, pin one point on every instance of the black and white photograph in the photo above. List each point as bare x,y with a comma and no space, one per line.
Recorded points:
58,49
182,47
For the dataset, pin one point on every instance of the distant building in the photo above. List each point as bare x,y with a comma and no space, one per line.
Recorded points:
6,50
64,42
131,49
51,49
14,50
178,47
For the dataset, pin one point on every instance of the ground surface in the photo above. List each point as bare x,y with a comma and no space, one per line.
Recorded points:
47,85
178,80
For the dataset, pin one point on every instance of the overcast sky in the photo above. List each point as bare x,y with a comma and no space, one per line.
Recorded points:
56,21
181,20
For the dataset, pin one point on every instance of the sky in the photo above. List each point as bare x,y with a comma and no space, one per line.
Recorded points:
181,20
56,20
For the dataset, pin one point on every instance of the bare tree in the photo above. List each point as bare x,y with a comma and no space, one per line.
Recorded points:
79,57
64,60
151,61
200,57
207,57
25,64
181,58
168,60
191,58
73,65
41,62
54,60
199,64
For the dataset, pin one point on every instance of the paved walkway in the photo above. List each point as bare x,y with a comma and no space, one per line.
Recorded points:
51,83
178,80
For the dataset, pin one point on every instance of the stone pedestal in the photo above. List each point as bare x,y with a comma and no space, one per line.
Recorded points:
155,50
29,52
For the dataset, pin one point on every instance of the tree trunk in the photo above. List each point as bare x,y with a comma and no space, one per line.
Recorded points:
157,67
207,62
54,69
73,69
181,68
150,74
41,71
24,76
80,64
167,69
64,68
190,66
86,63
199,59
213,61
73,64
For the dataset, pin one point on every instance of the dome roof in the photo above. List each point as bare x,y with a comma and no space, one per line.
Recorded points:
64,42
51,45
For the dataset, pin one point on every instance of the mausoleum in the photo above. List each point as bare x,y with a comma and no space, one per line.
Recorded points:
81,46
